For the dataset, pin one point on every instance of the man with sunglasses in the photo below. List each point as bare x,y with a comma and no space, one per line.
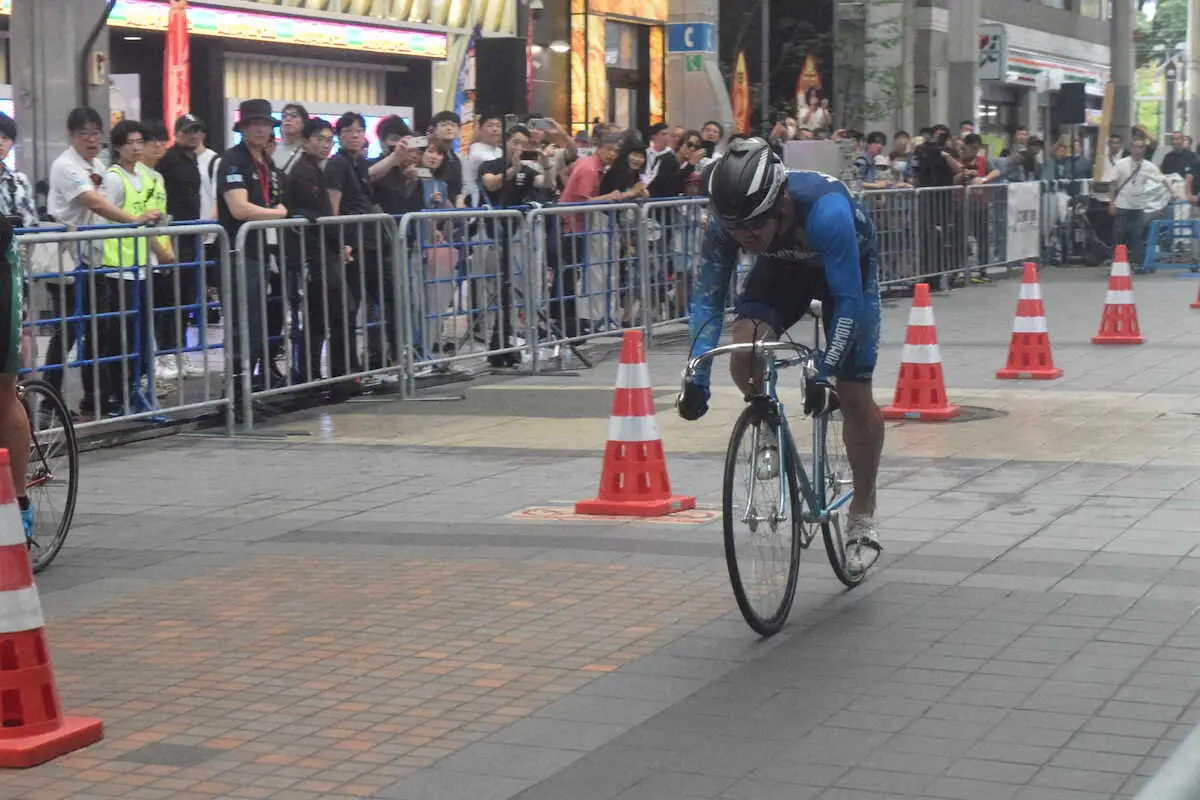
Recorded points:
812,242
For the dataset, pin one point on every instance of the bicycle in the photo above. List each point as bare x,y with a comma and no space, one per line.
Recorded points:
53,471
776,529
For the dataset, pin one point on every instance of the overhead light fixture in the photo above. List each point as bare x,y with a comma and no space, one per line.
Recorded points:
536,49
560,46
133,38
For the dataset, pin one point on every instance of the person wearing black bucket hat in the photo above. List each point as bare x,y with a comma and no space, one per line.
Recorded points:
16,193
249,189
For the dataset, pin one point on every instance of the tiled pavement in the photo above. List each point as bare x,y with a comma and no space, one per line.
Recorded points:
270,618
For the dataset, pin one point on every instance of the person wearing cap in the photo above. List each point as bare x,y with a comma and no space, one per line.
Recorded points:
248,189
16,193
291,128
180,170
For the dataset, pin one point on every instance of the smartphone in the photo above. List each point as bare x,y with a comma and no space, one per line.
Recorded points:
424,173
540,124
417,142
530,155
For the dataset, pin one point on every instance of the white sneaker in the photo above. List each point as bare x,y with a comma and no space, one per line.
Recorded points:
862,544
192,367
166,369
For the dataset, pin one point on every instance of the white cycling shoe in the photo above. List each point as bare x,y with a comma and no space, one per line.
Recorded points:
862,543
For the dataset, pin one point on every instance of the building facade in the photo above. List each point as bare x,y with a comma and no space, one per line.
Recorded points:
588,59
1000,63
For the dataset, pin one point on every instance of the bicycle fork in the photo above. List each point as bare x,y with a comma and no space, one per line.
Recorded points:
780,513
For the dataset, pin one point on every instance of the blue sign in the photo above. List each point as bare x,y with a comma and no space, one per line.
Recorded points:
691,37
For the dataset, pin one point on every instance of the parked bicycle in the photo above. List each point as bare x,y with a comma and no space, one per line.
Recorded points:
773,500
52,478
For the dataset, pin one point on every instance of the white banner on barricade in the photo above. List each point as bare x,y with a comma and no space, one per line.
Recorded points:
1023,208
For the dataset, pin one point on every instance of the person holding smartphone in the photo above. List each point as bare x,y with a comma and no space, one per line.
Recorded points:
512,179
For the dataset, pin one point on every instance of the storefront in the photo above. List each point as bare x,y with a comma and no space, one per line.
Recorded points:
617,62
239,54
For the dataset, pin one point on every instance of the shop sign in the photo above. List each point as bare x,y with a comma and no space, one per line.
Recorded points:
691,37
693,63
281,29
992,56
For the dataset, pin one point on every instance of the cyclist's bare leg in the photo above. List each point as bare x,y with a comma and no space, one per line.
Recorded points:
745,369
14,431
862,433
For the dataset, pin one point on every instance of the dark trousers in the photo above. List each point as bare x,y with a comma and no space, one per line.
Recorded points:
370,282
1129,229
65,298
118,339
328,313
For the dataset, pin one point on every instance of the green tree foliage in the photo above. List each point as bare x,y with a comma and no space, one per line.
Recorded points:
1158,37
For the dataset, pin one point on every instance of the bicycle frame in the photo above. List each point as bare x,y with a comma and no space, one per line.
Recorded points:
817,513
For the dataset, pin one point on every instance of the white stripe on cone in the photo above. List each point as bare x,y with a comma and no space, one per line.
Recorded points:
633,376
1122,297
1029,325
1120,269
921,316
633,429
20,611
921,354
1031,291
11,529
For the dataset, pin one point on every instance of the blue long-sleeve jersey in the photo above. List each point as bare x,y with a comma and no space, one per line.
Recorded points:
829,232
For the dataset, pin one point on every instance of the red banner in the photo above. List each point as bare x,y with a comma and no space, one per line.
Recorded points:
177,79
739,93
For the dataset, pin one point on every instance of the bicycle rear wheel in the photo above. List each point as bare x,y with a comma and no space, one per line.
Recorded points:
832,481
52,477
762,530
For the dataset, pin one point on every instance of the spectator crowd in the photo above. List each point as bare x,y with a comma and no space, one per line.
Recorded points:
287,167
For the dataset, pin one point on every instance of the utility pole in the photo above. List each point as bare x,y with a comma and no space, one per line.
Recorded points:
1121,48
1171,99
1192,59
766,64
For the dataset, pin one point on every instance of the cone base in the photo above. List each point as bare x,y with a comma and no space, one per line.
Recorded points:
1195,304
1043,374
931,414
1117,338
29,751
636,508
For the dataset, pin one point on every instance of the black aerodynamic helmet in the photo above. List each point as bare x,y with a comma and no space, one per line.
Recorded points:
744,182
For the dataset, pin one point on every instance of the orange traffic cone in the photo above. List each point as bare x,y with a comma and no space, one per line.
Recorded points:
1029,353
32,727
634,478
1119,321
1197,303
921,388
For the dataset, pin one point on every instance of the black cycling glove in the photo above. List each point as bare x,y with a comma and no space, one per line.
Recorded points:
692,402
819,397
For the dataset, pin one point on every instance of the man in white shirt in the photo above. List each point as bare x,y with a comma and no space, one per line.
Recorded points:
486,147
1111,156
287,152
76,199
1138,192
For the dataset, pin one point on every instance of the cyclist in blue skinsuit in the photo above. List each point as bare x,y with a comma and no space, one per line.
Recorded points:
813,241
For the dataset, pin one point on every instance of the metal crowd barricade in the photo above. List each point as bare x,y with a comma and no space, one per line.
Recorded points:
894,212
466,288
139,326
673,236
941,243
985,227
590,268
319,305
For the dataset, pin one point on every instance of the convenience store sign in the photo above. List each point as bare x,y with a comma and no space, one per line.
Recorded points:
150,15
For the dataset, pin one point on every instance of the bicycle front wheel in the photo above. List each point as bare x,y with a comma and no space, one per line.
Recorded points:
832,482
761,520
52,477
